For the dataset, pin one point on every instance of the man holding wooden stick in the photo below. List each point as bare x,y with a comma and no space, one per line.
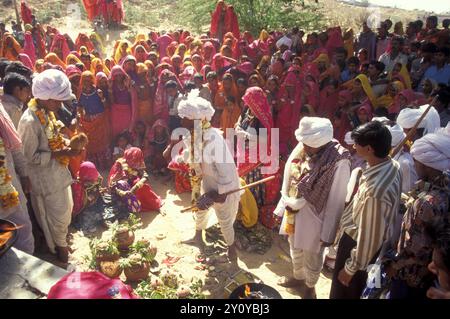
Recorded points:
213,171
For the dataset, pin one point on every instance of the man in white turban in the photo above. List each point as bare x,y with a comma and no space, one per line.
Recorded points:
426,206
51,195
284,43
209,157
408,117
404,158
313,197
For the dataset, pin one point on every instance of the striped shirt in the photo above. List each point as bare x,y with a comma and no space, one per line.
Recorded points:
369,218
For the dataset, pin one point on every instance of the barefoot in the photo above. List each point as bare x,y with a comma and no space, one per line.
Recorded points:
290,282
197,240
232,254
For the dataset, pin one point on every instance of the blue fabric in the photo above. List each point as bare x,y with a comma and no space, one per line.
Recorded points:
92,104
440,76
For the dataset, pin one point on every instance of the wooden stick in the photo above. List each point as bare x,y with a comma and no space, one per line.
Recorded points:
265,180
413,130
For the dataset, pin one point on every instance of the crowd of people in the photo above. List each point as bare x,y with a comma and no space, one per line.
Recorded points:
341,103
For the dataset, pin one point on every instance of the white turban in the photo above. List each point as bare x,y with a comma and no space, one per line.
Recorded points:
407,118
52,85
193,107
381,119
314,131
397,134
433,150
284,41
348,138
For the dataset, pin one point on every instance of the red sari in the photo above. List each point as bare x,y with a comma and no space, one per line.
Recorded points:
134,158
92,9
25,13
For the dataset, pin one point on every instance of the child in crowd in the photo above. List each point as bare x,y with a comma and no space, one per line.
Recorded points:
123,143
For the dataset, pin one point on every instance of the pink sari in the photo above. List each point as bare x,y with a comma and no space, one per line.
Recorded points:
123,116
29,48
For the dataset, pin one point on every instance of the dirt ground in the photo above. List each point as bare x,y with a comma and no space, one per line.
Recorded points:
177,226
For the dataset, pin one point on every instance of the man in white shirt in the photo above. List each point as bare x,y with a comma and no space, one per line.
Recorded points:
389,59
313,198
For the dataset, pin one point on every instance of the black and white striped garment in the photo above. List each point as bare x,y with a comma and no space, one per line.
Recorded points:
369,219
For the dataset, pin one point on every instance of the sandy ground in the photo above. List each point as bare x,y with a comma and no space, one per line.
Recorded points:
177,226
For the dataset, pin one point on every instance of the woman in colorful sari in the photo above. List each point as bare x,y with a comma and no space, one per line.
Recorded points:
281,110
10,48
341,118
161,106
29,48
83,41
97,41
257,114
98,66
362,91
129,172
158,139
92,9
41,50
123,49
60,47
392,90
328,99
400,73
140,53
407,98
74,75
209,51
72,59
140,39
129,66
218,28
349,42
310,95
94,121
226,103
292,85
123,102
143,91
55,60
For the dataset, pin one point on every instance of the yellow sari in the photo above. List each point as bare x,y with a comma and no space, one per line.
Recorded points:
96,62
248,209
367,89
72,59
405,76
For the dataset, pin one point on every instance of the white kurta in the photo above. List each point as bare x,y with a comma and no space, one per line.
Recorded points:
310,227
408,169
51,194
219,174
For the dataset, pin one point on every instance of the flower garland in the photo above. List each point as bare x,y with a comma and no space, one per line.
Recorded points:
52,129
9,197
195,169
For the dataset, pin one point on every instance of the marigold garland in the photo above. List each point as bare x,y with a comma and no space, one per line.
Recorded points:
52,129
9,197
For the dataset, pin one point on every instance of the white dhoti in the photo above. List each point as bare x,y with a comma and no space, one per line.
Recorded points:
226,215
306,265
54,213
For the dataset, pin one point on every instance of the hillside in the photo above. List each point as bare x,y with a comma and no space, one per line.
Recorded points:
69,15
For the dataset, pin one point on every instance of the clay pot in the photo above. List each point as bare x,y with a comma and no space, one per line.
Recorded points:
125,238
138,272
110,269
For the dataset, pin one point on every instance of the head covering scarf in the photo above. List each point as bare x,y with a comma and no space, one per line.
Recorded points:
88,172
284,41
408,117
52,85
433,150
95,63
72,59
29,47
256,100
195,108
55,60
367,89
314,131
99,76
25,59
60,41
72,70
